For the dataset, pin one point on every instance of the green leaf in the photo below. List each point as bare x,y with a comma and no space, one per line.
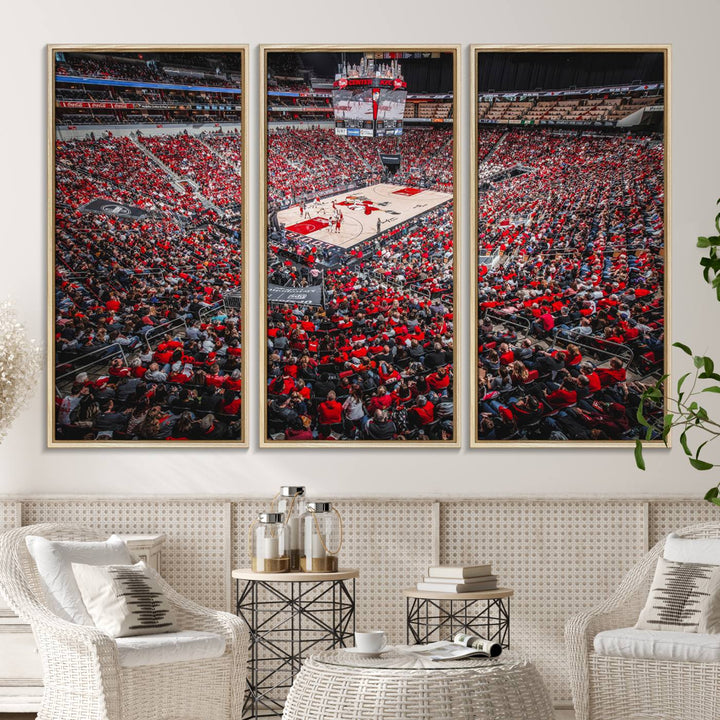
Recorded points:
682,380
684,443
683,347
712,493
701,464
712,388
640,416
709,376
667,425
699,450
708,364
715,501
639,461
703,242
698,361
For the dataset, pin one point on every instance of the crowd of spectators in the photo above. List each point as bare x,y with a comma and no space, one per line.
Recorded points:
144,349
118,68
304,163
571,317
215,171
376,361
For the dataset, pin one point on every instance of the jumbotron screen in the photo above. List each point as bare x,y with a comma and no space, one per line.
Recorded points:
369,107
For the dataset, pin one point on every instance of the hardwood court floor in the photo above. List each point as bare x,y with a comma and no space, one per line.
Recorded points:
361,209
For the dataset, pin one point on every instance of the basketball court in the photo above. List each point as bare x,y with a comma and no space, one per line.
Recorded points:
361,209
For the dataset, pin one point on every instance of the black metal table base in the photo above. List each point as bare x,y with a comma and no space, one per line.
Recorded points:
287,620
431,620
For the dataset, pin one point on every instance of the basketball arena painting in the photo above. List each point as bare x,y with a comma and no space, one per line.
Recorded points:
147,233
570,185
359,274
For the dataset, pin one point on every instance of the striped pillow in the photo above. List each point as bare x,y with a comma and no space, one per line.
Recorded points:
124,600
684,597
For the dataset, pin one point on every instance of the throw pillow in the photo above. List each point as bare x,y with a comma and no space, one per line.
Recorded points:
124,600
53,559
684,597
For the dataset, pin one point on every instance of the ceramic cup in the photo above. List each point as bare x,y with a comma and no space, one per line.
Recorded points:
373,641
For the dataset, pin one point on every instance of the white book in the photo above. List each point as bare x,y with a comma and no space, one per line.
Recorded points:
455,581
460,572
457,588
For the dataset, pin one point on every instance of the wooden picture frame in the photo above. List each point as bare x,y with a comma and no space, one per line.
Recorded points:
147,235
358,192
519,91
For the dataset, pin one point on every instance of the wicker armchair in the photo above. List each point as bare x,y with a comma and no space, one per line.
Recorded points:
614,688
82,674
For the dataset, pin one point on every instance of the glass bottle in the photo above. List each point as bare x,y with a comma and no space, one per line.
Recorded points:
269,544
322,538
291,503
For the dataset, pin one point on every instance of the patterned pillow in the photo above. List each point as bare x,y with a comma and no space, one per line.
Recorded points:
684,597
124,600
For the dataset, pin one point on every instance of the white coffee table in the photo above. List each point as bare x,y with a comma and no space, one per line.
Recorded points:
339,685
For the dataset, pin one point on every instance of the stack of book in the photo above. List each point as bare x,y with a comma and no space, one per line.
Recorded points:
458,579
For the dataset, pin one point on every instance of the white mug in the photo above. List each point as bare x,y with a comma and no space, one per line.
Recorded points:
373,641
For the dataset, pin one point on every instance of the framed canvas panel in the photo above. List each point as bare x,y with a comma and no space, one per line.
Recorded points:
147,237
359,271
570,242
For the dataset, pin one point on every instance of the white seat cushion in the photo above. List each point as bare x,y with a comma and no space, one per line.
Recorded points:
658,645
169,648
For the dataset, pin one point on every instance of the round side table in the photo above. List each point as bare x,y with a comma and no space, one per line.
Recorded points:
338,685
289,615
439,615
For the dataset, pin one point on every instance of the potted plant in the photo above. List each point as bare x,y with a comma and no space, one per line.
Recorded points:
685,409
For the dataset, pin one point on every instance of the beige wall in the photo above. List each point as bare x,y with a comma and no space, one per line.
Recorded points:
26,467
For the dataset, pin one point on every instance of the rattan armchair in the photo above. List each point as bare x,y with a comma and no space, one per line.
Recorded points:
82,674
614,688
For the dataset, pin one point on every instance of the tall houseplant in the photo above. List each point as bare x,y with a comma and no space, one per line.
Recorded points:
685,410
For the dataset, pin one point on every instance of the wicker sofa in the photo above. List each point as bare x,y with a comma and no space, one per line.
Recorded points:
619,688
82,671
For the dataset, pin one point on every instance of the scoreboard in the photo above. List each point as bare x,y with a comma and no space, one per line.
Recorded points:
369,106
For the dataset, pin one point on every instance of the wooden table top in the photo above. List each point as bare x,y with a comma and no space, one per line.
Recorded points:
496,594
342,574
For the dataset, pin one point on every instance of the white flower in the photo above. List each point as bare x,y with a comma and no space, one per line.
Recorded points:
19,366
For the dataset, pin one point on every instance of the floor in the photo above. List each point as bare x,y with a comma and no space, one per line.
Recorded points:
559,715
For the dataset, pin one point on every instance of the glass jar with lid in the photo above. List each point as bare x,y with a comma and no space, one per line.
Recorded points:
291,502
322,537
269,546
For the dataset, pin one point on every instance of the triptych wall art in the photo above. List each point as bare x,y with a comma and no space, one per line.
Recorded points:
360,304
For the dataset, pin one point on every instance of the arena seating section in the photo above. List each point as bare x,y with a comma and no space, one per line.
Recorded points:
375,363
147,105
610,108
570,285
144,347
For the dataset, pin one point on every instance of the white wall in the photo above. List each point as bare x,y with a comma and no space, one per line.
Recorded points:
27,467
